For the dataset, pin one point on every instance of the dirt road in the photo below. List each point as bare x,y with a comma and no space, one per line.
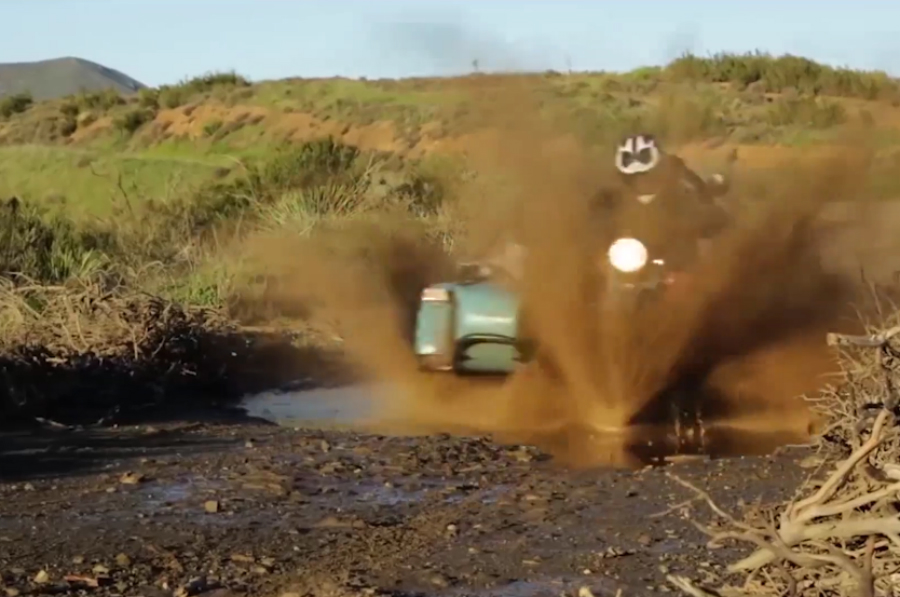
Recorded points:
246,508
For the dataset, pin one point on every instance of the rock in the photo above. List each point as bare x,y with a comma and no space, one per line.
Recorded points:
194,587
211,506
123,560
12,592
82,581
131,478
42,577
439,580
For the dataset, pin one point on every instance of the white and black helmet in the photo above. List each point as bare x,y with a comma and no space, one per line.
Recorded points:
637,154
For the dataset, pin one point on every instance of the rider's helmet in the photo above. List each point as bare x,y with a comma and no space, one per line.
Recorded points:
641,164
638,154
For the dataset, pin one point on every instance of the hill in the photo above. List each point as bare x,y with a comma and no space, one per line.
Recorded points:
51,79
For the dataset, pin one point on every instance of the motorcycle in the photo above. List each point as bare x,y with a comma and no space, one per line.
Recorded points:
476,324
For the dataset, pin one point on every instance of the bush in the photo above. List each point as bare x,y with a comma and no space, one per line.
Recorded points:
149,98
212,127
104,100
173,96
67,125
15,104
310,163
131,121
70,110
775,75
809,112
47,248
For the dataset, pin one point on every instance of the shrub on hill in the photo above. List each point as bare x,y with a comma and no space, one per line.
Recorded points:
173,96
777,74
15,104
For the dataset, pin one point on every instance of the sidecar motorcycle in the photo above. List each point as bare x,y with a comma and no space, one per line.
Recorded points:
474,325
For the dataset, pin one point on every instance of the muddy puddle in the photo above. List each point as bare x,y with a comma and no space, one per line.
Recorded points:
349,407
549,587
354,408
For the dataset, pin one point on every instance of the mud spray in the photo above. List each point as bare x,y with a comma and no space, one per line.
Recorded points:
749,337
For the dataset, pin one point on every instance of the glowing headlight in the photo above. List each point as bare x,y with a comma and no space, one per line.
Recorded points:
627,255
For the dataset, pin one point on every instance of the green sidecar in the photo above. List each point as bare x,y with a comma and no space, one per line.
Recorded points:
468,327
474,325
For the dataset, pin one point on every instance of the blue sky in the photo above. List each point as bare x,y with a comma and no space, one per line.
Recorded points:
162,41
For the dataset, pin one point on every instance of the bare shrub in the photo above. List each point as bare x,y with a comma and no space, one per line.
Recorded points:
839,535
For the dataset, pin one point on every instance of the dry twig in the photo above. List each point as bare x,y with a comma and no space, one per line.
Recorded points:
846,532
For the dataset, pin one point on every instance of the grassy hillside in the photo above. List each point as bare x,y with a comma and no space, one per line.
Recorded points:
179,158
184,134
51,79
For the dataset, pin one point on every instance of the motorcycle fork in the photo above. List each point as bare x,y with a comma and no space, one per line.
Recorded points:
689,428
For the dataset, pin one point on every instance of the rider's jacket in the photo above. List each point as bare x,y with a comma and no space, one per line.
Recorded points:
670,221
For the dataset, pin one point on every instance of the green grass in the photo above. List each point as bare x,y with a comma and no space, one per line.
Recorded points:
723,95
173,240
87,183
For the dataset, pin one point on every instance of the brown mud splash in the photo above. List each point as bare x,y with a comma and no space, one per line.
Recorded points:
748,338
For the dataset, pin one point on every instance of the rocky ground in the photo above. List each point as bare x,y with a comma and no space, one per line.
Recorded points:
246,508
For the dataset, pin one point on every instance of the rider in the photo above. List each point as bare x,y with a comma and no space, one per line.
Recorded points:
658,188
655,183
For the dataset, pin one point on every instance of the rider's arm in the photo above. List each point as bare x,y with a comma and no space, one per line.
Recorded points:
692,180
713,218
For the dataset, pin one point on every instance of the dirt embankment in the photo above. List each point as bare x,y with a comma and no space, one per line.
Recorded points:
91,356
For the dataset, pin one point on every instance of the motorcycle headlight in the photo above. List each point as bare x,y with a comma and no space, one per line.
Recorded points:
627,255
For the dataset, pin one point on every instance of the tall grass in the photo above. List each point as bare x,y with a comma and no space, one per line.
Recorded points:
778,74
177,245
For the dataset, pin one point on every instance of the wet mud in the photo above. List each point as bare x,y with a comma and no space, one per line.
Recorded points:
258,509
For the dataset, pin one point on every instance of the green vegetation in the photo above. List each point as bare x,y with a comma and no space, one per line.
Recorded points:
297,187
112,181
173,96
15,104
776,75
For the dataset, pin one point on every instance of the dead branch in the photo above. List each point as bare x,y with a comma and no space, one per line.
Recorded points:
847,529
869,341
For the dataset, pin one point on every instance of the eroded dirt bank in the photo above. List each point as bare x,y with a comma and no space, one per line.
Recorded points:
253,509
